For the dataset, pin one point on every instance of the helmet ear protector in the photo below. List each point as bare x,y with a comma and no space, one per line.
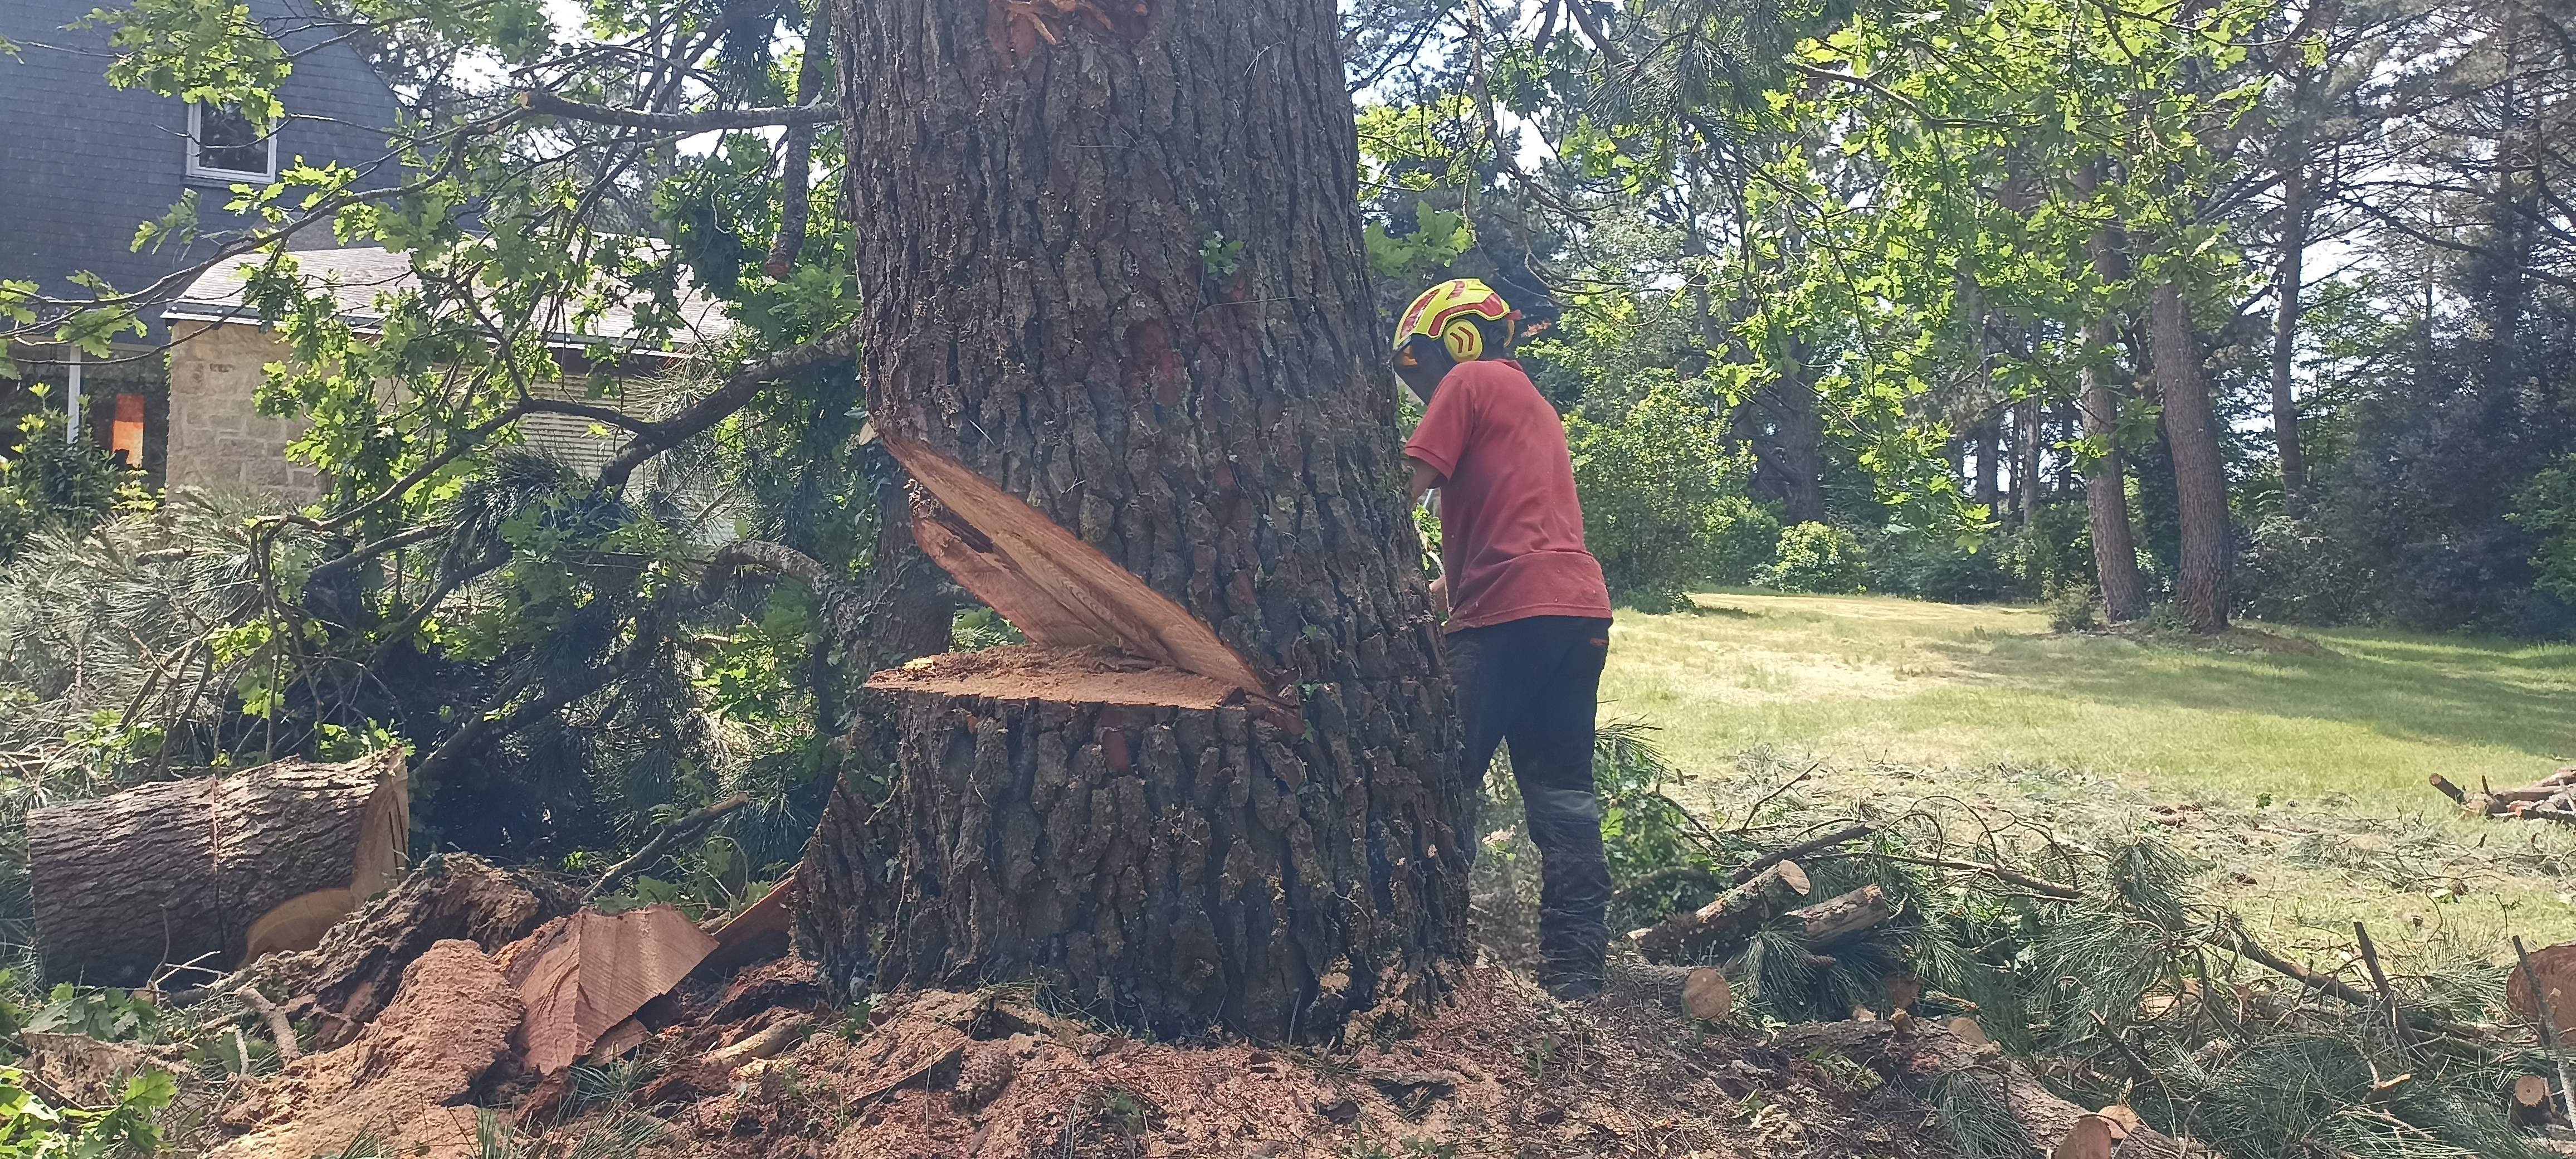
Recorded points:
1464,316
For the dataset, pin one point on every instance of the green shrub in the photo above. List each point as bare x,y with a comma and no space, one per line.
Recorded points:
2298,572
2075,610
1815,557
48,483
1940,569
1664,499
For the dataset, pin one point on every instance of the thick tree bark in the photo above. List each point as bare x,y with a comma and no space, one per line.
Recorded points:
212,871
1988,436
2200,478
2106,479
2285,322
1788,439
2027,440
1111,261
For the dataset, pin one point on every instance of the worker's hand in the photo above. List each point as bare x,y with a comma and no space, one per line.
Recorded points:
1440,597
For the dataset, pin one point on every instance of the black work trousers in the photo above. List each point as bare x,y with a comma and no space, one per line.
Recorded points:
1537,684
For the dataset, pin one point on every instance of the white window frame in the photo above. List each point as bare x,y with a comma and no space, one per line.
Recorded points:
198,168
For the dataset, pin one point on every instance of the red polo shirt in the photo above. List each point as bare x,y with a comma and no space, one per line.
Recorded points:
1511,531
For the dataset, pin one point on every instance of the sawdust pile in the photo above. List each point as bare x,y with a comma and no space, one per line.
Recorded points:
408,1080
1501,1070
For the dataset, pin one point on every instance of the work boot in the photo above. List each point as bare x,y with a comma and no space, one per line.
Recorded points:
1571,987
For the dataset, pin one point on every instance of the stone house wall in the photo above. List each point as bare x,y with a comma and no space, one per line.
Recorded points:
217,439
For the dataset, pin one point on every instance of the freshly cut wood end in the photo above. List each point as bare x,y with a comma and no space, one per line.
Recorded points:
2531,1091
1094,675
2092,1137
1966,1030
1706,995
1056,589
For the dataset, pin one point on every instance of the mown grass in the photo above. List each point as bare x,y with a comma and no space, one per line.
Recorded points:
2304,752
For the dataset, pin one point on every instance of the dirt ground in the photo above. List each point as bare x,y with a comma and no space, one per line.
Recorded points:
1499,1070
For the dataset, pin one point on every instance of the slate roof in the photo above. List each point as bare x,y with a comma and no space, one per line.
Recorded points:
82,163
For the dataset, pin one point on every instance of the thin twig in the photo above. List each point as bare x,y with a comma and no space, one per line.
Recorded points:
652,849
2379,979
1751,869
278,1027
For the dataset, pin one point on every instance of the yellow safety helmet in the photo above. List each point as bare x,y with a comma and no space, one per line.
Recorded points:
1448,313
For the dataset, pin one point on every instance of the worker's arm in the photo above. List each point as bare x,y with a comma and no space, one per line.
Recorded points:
1425,477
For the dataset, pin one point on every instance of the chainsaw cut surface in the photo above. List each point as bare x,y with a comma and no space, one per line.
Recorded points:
1064,675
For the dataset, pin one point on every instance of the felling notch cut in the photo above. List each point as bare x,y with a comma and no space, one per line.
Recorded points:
1057,590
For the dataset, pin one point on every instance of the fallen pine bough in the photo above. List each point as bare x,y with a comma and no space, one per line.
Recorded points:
2551,798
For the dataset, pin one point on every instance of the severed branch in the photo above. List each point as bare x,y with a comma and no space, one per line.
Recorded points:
738,389
278,1027
1754,868
679,830
544,103
796,197
767,556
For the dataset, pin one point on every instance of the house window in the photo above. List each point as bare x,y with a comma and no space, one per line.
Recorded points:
226,145
125,439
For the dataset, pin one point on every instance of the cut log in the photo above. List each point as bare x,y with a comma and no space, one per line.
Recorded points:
214,871
582,975
2555,966
2531,1093
2444,786
1915,1050
1706,996
341,984
1737,910
1842,916
1700,992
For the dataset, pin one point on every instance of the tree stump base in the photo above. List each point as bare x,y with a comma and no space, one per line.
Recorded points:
1148,849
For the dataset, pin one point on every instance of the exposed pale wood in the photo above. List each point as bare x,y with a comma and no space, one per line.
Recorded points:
765,1043
2092,1137
216,870
1842,916
2531,1092
1706,996
1047,582
1966,1030
1757,900
758,932
582,975
342,983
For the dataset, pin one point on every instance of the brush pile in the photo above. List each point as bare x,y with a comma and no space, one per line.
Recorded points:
2551,798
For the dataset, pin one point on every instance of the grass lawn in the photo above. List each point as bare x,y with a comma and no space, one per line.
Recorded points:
2305,751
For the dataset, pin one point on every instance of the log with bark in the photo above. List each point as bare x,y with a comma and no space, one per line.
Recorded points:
2551,798
1917,1050
340,985
1220,786
1841,916
214,871
1735,912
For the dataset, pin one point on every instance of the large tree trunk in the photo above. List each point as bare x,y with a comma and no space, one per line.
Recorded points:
2106,478
2200,478
212,871
1115,289
1788,438
2028,438
2285,321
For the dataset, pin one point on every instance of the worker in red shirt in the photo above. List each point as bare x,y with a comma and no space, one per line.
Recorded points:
1529,616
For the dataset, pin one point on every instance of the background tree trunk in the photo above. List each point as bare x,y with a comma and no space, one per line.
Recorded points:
2200,478
2285,321
1111,264
2106,479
